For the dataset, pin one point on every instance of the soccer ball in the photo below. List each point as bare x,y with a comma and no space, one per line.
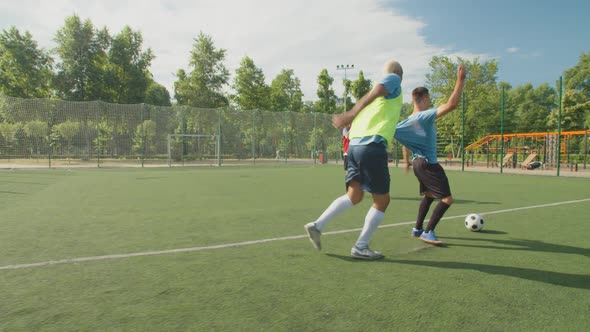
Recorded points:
474,222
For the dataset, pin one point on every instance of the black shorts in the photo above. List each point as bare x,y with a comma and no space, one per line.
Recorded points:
432,178
345,157
367,165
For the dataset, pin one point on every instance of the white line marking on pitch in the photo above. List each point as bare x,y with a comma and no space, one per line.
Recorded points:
247,243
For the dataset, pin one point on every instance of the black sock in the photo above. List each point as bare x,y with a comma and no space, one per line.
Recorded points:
423,210
437,214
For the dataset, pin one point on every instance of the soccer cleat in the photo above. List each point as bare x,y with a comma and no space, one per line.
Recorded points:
365,253
314,235
417,232
430,237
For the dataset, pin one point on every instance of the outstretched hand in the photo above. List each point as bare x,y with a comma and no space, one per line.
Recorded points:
461,72
341,120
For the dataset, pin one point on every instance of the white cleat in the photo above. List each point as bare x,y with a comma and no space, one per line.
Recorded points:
314,235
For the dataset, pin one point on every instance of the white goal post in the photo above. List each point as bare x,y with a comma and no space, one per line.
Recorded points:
215,139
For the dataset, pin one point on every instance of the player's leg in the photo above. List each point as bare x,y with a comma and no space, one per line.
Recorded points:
376,180
419,166
439,211
442,189
438,184
353,196
423,209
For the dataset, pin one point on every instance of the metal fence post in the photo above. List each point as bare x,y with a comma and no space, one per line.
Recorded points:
219,119
559,127
463,132
286,145
502,133
313,153
254,137
97,118
143,135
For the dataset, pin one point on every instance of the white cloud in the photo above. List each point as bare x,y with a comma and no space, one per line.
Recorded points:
304,35
512,49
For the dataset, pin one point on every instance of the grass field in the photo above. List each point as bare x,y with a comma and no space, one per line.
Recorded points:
65,236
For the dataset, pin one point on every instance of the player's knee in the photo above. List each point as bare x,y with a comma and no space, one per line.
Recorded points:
355,195
381,202
448,200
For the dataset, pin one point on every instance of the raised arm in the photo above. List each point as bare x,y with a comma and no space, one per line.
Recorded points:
455,98
343,119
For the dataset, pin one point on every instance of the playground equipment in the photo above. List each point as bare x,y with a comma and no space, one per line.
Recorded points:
528,146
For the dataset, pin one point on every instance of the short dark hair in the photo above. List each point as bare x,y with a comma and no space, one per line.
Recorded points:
419,93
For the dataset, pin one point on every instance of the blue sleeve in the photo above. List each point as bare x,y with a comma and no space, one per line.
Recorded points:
428,116
392,83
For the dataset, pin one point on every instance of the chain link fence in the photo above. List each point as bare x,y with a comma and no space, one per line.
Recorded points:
56,133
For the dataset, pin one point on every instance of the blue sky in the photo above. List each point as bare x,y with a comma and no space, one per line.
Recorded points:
533,41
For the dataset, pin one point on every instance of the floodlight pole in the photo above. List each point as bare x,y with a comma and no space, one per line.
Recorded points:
345,68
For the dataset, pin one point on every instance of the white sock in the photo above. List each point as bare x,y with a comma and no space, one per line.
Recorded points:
372,221
338,206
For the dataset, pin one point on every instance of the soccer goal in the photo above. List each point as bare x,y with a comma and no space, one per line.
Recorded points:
193,149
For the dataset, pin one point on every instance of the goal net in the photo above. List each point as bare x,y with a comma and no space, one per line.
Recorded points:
193,150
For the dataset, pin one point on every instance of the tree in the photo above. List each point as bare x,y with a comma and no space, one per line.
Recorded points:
327,98
156,94
251,90
285,92
25,70
575,108
346,95
128,76
68,131
203,86
309,107
481,94
8,132
533,107
82,50
38,131
143,140
578,77
104,135
360,86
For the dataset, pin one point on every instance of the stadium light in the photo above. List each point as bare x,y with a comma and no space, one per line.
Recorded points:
345,68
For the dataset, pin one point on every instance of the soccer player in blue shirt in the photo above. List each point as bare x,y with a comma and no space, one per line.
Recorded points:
418,134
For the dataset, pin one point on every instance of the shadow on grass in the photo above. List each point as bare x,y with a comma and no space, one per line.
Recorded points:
456,201
25,182
486,231
548,277
11,192
529,245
